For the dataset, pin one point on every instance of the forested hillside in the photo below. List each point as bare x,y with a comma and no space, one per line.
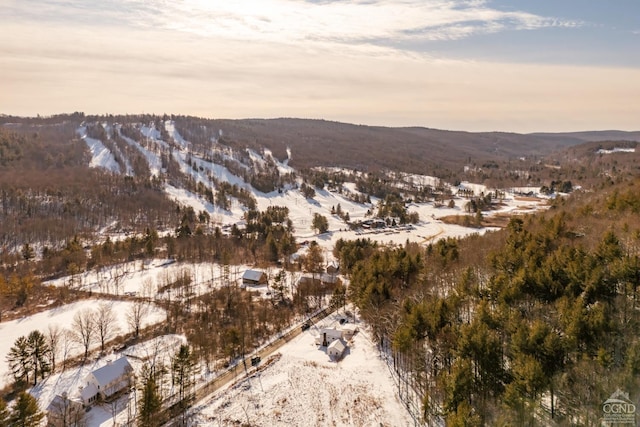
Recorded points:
532,325
49,194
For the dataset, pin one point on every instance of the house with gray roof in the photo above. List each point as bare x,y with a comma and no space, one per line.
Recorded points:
107,381
336,349
254,278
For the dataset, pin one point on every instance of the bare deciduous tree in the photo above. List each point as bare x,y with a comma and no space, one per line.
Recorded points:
68,341
135,315
105,323
84,328
54,336
65,412
149,288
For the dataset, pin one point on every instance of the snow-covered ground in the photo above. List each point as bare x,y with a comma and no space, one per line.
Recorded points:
62,317
304,387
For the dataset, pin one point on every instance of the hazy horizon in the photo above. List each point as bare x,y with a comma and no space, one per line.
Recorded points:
461,65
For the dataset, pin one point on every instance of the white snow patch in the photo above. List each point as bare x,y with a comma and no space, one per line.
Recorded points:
150,132
101,157
616,150
170,127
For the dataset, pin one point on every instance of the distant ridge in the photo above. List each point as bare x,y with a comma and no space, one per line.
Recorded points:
592,136
316,142
413,149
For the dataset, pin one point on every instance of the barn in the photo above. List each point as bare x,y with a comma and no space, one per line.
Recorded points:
254,278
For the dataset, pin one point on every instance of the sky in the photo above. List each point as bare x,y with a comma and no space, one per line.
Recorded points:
477,65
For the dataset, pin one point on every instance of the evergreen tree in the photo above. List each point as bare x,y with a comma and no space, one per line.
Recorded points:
271,248
150,403
339,296
278,286
320,223
26,412
40,352
19,360
27,252
313,260
182,370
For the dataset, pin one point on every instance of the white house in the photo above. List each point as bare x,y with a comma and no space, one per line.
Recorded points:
107,381
336,349
327,336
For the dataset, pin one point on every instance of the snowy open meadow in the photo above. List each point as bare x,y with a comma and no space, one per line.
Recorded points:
303,386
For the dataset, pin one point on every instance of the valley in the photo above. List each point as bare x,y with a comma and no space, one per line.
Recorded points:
155,221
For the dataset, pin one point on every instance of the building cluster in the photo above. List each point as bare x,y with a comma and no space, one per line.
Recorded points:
335,339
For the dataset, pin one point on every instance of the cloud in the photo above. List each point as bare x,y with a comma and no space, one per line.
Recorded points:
348,22
357,24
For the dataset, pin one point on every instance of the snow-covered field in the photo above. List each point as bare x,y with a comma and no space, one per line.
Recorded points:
62,317
145,278
305,388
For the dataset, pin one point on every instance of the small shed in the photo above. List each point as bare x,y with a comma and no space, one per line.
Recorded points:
333,267
254,278
336,349
308,279
349,330
317,279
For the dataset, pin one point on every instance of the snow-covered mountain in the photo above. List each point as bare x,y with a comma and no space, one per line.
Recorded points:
215,178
